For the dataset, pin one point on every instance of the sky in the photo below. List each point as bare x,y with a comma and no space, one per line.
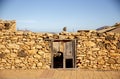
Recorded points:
53,15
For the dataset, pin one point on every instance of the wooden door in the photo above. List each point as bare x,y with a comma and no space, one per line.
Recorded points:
69,56
63,54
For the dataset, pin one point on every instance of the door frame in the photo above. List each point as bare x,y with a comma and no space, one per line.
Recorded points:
63,40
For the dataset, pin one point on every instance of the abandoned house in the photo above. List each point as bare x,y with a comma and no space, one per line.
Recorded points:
82,49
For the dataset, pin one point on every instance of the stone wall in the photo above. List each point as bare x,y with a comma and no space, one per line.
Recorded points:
6,25
29,50
23,50
98,51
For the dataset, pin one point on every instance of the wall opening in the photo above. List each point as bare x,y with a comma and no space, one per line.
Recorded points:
63,53
69,63
58,60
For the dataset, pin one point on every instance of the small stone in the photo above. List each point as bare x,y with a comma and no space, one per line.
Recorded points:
62,37
38,46
111,61
114,54
101,62
13,55
90,43
95,49
2,46
3,61
13,46
102,53
118,60
37,56
47,67
7,51
41,52
18,61
13,67
31,52
39,64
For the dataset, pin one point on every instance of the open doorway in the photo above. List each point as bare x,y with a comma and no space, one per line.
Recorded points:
63,53
69,63
58,60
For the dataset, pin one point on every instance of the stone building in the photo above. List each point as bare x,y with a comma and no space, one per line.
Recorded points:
83,49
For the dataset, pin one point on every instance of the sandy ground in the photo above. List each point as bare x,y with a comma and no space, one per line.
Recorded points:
59,74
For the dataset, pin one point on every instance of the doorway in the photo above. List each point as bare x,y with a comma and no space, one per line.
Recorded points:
63,53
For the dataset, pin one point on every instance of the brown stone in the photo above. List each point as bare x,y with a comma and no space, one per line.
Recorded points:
101,62
31,52
118,60
41,52
39,64
13,46
102,53
13,55
2,46
7,51
37,56
114,54
111,61
38,46
95,49
18,61
62,37
3,61
90,43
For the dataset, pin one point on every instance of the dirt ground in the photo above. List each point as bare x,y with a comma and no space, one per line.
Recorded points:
59,74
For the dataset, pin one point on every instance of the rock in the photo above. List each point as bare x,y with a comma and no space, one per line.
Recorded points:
70,37
13,46
7,51
3,61
39,64
118,60
108,46
31,52
41,52
49,35
18,61
14,38
90,43
111,61
13,55
114,54
13,67
62,37
95,49
33,66
47,67
2,46
38,46
37,56
19,33
102,53
101,62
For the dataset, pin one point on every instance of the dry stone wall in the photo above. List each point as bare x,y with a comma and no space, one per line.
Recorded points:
6,25
22,50
98,51
28,50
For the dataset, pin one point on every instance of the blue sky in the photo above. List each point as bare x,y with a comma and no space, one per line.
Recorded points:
53,15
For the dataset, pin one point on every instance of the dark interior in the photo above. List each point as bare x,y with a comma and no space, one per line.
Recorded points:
58,60
69,63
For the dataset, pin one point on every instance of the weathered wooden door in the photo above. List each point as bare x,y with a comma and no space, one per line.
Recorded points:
63,54
69,55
